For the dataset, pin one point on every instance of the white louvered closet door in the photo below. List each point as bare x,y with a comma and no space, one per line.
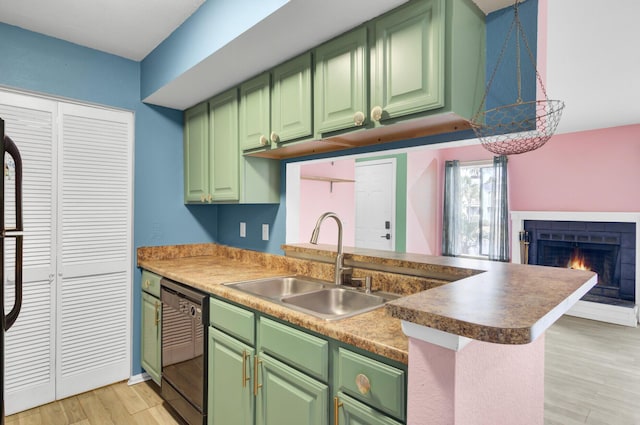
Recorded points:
30,343
94,263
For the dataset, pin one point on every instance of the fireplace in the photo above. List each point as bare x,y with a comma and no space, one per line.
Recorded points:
610,237
608,248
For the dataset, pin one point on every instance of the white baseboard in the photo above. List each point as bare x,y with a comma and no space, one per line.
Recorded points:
625,316
136,379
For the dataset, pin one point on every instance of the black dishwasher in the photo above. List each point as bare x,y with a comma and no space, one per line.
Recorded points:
185,316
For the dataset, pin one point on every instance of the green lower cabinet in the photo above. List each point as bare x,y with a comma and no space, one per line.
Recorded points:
230,397
289,397
150,350
351,412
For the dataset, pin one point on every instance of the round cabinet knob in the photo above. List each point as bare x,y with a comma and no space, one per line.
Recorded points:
274,137
209,198
147,283
358,118
263,141
202,197
363,384
376,113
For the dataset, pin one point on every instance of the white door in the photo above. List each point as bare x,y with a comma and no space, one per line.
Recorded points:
73,333
375,189
30,343
94,262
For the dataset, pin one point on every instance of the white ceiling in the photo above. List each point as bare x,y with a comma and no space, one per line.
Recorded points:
127,28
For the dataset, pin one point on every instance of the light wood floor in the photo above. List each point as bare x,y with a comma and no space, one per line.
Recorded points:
592,376
117,404
592,373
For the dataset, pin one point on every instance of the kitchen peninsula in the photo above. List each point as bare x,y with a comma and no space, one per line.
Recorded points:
475,345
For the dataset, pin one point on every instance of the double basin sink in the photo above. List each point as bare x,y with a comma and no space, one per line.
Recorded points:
315,297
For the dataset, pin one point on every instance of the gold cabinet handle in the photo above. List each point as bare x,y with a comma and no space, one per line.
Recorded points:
336,410
263,140
256,385
376,113
157,319
245,378
358,118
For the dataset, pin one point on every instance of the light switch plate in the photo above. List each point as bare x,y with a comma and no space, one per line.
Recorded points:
243,229
265,232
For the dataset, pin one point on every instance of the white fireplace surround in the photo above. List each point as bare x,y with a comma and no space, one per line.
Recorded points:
605,313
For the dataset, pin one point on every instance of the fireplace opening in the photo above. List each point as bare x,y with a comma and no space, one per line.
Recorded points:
605,248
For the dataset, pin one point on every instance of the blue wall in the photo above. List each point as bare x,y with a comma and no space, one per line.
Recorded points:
47,65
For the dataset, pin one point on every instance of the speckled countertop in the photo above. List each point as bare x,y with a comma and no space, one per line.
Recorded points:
491,301
208,267
483,300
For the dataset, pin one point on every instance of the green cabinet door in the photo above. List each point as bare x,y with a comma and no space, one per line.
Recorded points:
196,154
340,82
291,100
407,61
352,412
224,153
289,397
255,112
150,344
230,386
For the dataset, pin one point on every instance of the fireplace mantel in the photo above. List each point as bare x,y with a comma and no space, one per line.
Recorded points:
602,312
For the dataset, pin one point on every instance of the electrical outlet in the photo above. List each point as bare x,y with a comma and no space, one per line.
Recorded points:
243,229
265,232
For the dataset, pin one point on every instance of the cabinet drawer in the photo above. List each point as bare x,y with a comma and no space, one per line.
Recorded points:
371,382
233,320
299,349
151,283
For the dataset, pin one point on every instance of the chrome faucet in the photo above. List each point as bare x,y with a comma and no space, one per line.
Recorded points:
340,270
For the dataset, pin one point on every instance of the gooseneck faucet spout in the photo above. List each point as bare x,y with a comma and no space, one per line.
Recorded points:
340,270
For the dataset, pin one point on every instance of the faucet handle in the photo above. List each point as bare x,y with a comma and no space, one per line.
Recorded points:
366,280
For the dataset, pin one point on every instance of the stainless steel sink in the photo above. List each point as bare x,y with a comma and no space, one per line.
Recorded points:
336,303
315,297
278,287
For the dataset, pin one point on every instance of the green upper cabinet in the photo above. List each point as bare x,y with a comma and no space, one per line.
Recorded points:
224,153
196,153
407,60
291,100
340,82
255,116
427,60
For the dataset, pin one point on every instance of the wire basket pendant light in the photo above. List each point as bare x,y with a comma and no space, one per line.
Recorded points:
523,125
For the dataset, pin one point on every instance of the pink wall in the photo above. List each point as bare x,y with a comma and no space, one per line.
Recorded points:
317,198
595,170
423,201
483,383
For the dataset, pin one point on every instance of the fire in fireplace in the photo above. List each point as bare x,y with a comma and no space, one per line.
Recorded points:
606,248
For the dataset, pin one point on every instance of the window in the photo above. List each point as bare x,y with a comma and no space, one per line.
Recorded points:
476,186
